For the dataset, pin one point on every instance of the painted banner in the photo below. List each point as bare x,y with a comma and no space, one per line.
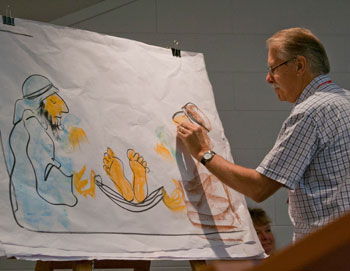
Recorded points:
90,164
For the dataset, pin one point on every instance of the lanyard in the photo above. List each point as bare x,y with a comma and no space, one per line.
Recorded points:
324,83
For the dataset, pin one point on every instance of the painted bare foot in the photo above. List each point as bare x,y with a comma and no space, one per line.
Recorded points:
138,167
114,169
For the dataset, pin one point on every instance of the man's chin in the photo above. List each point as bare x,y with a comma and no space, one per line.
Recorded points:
279,96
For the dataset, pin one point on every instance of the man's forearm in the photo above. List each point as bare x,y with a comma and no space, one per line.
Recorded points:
244,180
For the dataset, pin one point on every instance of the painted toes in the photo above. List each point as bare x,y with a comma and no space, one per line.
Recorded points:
109,153
131,154
135,156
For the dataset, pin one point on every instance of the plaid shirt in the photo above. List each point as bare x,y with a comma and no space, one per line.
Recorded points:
311,156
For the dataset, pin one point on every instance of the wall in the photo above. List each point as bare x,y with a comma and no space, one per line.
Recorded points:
231,34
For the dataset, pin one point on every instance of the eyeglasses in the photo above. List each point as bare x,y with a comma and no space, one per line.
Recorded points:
271,70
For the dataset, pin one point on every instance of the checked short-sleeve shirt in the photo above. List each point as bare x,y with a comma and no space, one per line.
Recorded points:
311,156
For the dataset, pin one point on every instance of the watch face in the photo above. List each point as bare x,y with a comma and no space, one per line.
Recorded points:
207,155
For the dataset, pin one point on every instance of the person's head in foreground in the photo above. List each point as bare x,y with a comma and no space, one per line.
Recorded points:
262,226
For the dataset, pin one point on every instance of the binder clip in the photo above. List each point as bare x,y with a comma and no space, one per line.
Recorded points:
175,51
9,20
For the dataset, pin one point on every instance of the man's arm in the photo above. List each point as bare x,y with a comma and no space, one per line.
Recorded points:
244,180
247,181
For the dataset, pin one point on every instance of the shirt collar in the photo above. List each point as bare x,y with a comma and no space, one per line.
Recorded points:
312,87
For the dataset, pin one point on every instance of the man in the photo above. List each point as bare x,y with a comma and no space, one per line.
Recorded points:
262,227
41,184
311,156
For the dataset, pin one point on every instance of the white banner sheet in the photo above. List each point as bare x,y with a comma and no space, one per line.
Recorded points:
90,164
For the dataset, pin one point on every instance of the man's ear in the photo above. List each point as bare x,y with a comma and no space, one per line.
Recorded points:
301,65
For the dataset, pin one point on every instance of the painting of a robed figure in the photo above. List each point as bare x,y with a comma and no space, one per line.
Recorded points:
90,162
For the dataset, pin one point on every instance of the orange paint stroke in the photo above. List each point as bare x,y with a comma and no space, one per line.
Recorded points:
76,136
79,184
207,206
174,201
163,152
92,189
179,117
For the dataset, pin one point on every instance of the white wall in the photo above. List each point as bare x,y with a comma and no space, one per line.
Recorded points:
231,34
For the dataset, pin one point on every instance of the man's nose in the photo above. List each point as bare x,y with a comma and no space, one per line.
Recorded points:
64,108
269,78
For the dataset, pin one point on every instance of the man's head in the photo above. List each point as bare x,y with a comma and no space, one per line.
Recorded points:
262,226
39,92
52,107
295,57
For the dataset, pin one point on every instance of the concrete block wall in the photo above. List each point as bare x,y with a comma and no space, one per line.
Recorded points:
231,34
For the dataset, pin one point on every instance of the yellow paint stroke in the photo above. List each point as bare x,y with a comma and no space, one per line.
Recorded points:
163,152
76,136
79,184
92,189
114,169
138,167
54,106
179,118
174,201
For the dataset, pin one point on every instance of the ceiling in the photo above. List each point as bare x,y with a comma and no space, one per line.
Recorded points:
43,10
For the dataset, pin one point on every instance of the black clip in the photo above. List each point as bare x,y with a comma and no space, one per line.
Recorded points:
176,52
8,19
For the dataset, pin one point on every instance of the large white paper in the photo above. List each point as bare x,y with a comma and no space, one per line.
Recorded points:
90,164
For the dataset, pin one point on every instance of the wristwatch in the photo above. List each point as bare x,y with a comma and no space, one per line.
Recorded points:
207,156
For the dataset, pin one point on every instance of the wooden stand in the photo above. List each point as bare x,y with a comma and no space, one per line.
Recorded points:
104,264
88,265
197,265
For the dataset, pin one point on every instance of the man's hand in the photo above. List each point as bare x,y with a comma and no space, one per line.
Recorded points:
244,180
195,138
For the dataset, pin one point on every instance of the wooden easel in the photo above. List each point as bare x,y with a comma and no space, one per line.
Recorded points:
88,265
104,264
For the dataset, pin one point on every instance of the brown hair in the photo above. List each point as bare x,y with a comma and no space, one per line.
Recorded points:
300,41
259,217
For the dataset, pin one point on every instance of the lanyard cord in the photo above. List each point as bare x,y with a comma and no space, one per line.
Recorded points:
324,83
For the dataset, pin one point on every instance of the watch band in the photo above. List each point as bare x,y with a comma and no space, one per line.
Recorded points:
207,156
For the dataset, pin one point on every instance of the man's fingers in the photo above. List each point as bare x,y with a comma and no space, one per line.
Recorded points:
187,125
181,129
